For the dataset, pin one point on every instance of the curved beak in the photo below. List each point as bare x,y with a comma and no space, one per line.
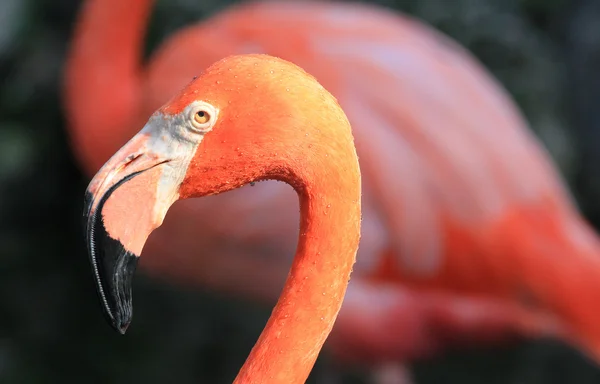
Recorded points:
125,201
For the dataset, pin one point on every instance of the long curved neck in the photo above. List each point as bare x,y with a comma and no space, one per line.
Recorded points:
313,293
103,77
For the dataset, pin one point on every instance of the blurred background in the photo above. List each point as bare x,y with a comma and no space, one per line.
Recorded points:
545,52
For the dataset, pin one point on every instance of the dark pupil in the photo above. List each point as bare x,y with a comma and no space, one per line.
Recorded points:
201,113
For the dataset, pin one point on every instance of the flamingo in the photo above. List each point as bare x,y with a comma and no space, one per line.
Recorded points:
457,192
207,141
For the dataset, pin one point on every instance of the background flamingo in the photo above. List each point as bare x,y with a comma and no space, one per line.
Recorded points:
481,196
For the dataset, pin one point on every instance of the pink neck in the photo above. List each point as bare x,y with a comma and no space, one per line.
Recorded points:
312,296
103,77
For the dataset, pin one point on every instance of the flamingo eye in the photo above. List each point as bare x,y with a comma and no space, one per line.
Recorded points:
203,116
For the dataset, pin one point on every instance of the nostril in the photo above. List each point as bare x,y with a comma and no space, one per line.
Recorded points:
129,160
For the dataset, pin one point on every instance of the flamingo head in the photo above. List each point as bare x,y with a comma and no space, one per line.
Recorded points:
247,118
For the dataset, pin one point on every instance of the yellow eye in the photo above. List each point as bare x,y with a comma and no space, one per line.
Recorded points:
202,117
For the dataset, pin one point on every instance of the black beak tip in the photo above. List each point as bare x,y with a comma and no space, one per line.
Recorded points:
121,327
117,314
114,286
123,314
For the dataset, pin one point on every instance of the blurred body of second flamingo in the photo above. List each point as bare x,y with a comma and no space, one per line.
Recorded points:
468,233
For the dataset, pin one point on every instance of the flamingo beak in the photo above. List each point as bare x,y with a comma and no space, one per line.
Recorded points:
125,201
